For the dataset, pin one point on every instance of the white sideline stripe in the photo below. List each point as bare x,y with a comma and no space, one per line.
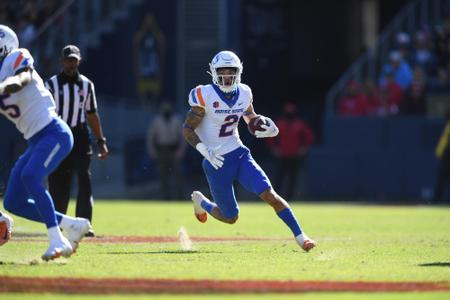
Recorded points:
51,155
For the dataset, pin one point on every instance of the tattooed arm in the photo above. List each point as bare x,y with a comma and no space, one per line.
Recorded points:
193,118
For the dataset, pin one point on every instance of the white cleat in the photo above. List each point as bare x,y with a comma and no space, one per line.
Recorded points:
57,248
305,242
75,232
199,212
6,225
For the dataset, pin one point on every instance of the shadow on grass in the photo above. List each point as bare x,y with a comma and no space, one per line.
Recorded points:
33,262
161,252
435,264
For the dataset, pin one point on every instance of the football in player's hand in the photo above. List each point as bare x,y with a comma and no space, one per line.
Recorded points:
255,124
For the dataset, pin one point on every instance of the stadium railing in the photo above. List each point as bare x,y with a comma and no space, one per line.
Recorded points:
80,22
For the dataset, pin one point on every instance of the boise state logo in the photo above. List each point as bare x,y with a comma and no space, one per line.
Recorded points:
222,56
216,104
227,59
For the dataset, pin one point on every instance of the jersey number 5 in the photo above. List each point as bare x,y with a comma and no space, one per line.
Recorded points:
11,110
229,121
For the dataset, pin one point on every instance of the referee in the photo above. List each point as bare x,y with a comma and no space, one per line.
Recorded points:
76,104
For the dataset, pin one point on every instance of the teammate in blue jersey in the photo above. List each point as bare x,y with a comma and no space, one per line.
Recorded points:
211,127
26,102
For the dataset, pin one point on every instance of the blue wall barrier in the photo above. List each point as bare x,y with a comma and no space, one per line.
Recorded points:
371,158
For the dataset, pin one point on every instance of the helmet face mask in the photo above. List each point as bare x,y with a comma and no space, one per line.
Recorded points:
226,69
8,40
226,77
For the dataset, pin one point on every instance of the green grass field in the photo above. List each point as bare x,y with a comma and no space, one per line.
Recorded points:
355,243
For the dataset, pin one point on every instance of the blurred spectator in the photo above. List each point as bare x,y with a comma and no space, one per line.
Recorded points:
26,30
290,147
399,68
4,12
443,154
165,144
403,42
372,93
395,90
383,109
442,42
391,97
423,56
27,18
414,69
354,102
414,102
46,11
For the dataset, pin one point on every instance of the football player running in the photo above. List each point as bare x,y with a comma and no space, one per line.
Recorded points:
26,102
211,128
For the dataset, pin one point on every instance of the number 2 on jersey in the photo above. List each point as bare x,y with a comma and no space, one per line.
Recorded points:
229,121
12,110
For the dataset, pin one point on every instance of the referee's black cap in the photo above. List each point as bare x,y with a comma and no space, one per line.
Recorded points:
71,51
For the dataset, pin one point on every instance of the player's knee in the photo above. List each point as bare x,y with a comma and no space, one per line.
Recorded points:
232,220
230,214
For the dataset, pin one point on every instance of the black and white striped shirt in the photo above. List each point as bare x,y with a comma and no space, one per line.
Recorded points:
74,97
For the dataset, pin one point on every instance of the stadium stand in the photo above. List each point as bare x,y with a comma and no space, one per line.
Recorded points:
382,121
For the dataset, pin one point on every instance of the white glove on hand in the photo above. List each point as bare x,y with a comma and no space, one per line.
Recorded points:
12,80
2,88
210,154
271,130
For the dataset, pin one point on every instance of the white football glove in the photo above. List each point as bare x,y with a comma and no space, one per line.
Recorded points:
271,130
211,155
2,88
